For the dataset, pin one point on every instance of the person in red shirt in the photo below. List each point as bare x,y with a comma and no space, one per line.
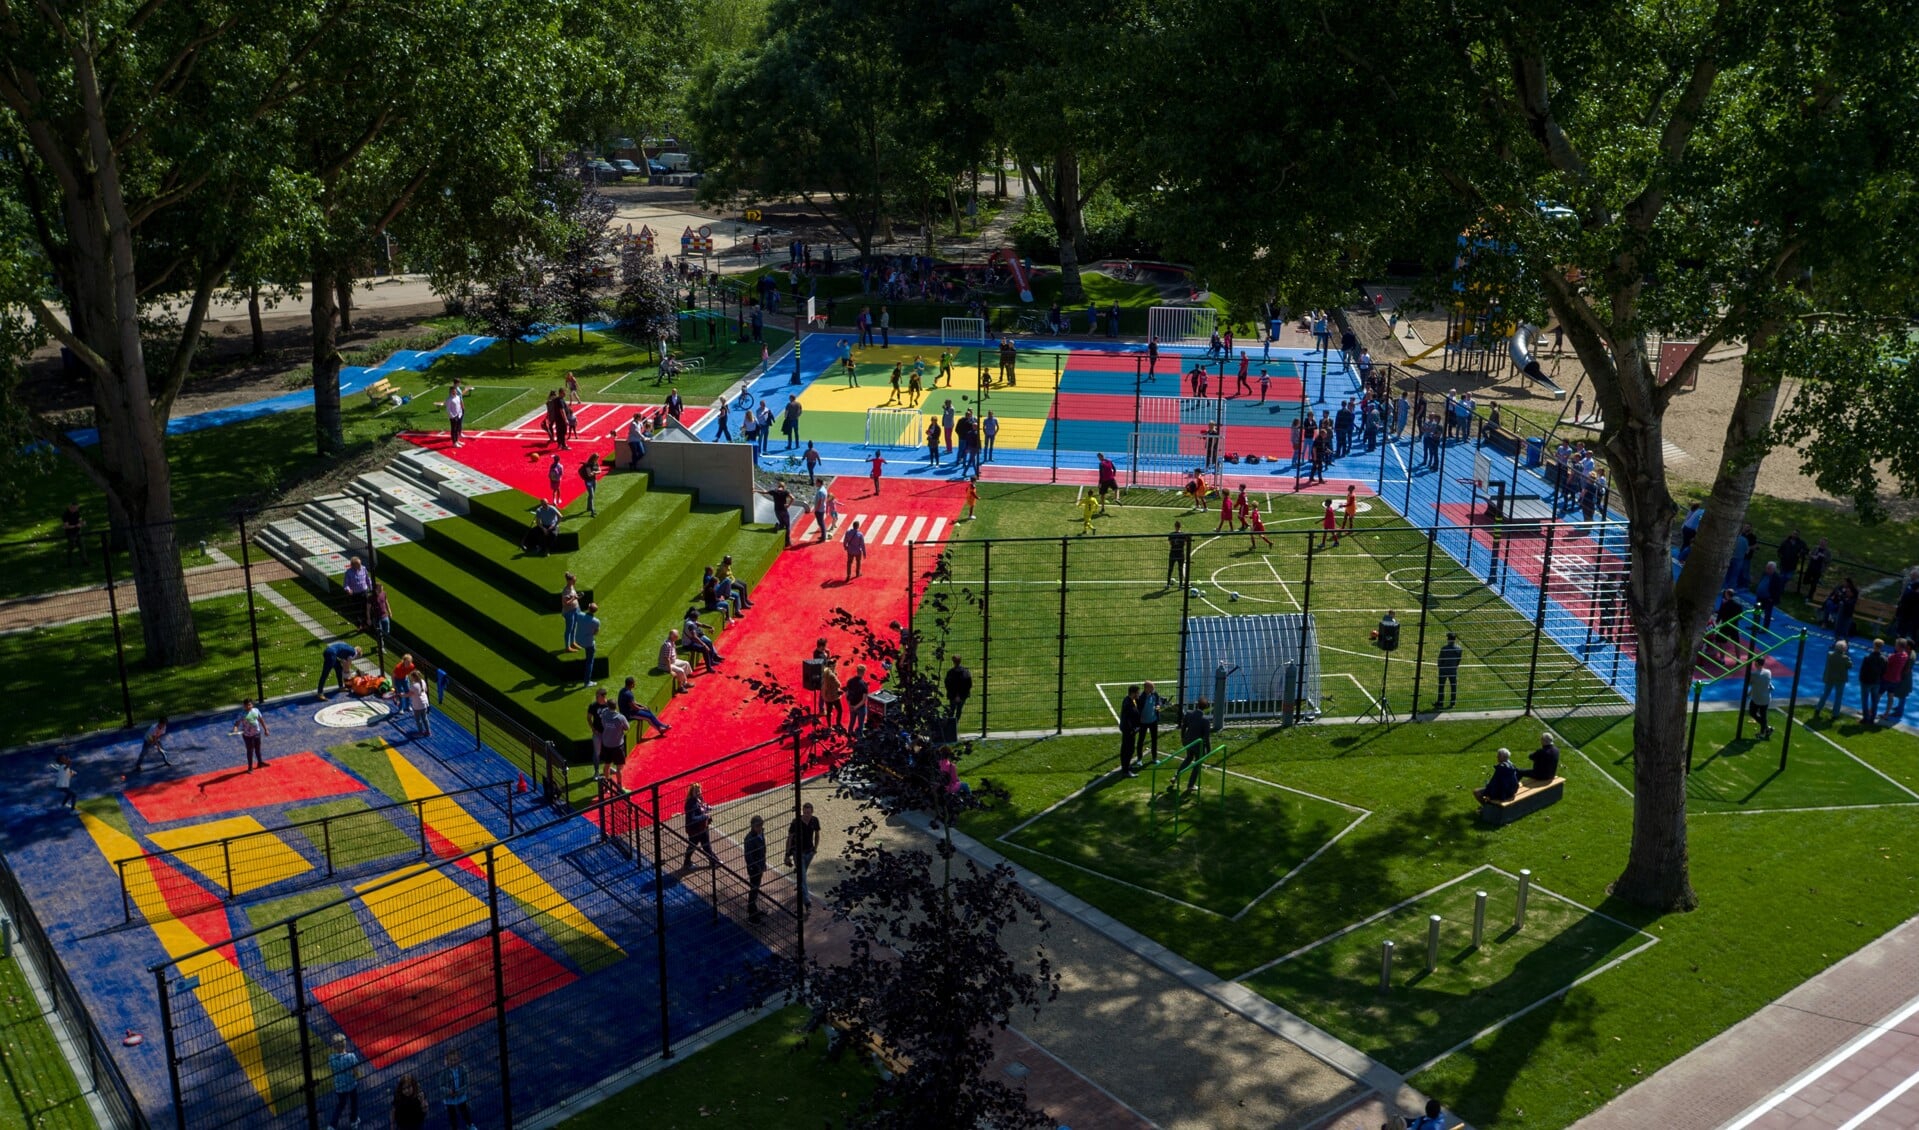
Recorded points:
1243,387
1225,512
1242,506
879,461
1258,531
1329,523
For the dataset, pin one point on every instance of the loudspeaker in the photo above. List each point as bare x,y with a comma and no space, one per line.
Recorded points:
1389,635
878,702
810,671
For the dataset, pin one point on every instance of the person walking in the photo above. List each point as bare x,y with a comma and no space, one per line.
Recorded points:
570,612
334,660
811,458
699,827
1129,731
252,728
453,1092
754,849
802,844
344,1064
790,422
455,405
959,688
1832,680
590,472
1256,532
1450,654
855,543
1195,728
1349,513
154,743
586,631
555,473
782,503
1759,697
420,702
63,780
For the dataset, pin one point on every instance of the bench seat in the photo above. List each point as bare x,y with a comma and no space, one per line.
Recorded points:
1529,799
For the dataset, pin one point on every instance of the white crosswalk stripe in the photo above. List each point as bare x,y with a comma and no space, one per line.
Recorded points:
933,534
919,524
893,534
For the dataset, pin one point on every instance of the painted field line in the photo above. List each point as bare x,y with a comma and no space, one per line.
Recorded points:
1284,587
1820,734
1362,923
1111,879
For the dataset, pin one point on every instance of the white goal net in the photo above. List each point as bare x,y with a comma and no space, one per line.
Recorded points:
893,427
963,331
1182,325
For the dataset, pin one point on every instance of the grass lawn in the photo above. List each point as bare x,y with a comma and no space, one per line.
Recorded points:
38,1089
768,1074
61,681
1783,894
1123,621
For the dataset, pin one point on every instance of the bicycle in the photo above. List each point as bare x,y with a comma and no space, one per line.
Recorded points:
1031,324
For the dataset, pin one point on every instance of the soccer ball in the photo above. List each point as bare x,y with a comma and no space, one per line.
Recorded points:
1232,596
1196,594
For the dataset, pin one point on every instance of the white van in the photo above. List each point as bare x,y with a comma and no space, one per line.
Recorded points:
675,162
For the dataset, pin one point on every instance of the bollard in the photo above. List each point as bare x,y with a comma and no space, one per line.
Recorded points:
1386,966
1432,943
1479,917
1525,885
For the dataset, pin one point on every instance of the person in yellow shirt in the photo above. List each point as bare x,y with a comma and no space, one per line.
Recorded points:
1088,509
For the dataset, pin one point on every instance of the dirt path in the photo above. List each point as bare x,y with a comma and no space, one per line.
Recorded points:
54,608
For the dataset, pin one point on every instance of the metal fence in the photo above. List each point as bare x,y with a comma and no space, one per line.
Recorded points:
1055,629
98,1072
516,926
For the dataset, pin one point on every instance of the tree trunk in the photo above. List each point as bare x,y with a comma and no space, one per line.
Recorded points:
999,172
253,316
952,201
329,432
343,283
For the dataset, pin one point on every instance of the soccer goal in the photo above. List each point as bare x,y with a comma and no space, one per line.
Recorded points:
1182,325
1269,663
893,427
963,331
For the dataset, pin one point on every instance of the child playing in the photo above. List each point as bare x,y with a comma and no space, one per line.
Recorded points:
1258,531
972,497
1088,510
554,473
1329,523
63,780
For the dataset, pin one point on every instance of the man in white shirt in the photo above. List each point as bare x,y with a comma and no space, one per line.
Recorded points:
456,412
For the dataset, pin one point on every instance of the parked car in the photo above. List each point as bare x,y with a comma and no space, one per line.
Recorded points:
655,168
600,170
627,168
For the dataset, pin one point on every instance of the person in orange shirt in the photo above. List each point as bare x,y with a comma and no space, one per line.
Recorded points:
1352,508
972,497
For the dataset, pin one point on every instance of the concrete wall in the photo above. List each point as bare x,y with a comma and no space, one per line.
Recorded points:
722,473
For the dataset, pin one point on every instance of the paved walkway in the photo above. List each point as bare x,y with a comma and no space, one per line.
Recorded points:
49,609
1840,1051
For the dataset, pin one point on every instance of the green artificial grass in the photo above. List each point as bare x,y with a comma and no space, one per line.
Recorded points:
355,834
37,1088
63,680
327,936
1335,984
1123,620
1783,895
1191,845
769,1074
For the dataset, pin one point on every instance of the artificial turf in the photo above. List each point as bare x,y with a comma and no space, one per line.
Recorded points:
768,1074
1122,620
1783,894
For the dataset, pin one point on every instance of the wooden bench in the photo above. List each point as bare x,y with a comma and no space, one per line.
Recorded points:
1529,799
884,1058
1875,612
379,390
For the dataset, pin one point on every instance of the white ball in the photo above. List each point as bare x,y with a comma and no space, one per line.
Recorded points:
1232,596
1196,594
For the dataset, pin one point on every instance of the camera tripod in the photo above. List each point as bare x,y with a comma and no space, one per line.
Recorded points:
1382,708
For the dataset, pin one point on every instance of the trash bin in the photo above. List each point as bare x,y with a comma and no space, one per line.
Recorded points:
1535,450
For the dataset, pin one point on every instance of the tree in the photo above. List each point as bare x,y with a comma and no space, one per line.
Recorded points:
515,303
1732,173
646,306
928,973
583,271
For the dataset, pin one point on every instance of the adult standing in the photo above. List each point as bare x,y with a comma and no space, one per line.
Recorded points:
610,758
358,583
790,422
1816,562
959,687
873,470
1792,554
1768,591
1008,359
1833,679
72,525
855,543
1759,696
782,502
989,429
1195,730
832,708
802,844
1179,546
947,416
570,612
636,436
252,728
1898,673
1872,672
766,427
857,690
933,442
754,849
1450,654
699,827
1151,706
455,404
1129,731
334,660
886,327
586,631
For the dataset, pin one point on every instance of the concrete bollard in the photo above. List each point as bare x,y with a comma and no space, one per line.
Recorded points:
1386,966
1432,943
1525,887
1479,917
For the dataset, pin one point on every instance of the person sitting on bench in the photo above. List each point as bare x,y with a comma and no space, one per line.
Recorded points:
1545,761
1504,784
545,533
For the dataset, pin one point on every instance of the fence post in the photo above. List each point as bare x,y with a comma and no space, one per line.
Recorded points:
1185,620
253,620
226,858
1052,417
1419,652
1539,619
173,1052
911,648
419,808
1305,618
1792,701
119,643
659,927
1059,690
326,844
307,1089
373,567
1439,489
986,633
126,902
499,992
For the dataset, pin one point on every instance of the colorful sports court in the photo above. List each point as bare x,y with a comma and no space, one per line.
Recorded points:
396,950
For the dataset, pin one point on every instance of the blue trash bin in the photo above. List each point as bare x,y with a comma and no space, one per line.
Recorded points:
1535,450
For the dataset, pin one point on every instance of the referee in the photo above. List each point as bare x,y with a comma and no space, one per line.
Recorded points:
1179,545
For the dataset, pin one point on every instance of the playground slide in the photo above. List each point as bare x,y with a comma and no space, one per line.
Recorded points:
1022,278
1522,346
1432,349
